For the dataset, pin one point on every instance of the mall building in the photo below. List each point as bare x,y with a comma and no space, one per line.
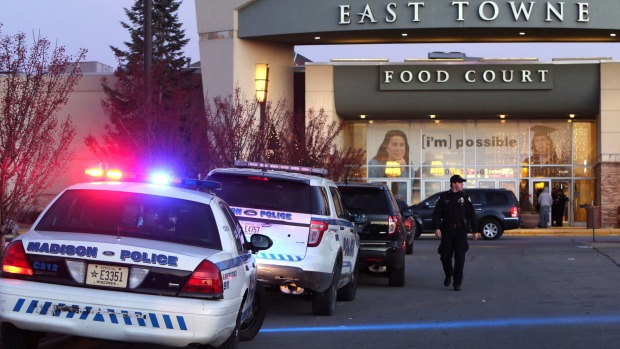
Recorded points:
500,122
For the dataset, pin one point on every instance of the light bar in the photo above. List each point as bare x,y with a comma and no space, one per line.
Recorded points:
158,178
280,167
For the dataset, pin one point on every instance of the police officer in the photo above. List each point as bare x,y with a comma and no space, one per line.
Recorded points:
453,218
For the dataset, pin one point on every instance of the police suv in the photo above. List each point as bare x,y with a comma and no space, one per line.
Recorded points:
315,246
133,261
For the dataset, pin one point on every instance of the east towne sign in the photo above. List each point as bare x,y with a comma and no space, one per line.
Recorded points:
337,22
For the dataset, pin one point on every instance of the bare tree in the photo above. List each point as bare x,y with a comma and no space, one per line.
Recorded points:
321,149
235,134
34,141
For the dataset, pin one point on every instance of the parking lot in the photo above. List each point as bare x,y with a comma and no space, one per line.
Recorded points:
518,292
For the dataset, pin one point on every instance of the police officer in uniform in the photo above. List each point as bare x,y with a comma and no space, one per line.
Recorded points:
453,218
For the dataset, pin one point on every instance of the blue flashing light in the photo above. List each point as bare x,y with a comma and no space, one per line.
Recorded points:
161,178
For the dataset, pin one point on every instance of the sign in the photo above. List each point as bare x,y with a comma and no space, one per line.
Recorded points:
466,77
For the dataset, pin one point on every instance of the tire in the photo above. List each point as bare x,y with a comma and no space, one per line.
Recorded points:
396,276
324,303
16,338
491,229
409,248
347,293
250,327
418,231
232,342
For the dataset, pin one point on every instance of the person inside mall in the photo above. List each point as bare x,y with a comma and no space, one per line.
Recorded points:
454,218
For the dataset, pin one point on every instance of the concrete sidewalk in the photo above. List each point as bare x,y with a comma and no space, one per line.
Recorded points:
563,231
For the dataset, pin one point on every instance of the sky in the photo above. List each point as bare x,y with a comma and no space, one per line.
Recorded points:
95,25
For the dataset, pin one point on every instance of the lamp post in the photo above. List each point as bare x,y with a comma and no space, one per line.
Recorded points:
261,79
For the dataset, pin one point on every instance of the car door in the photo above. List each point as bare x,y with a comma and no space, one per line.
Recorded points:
349,240
245,273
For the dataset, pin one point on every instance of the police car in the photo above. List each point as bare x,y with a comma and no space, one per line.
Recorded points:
315,246
133,261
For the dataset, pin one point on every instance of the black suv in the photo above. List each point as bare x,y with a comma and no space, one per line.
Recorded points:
379,224
496,210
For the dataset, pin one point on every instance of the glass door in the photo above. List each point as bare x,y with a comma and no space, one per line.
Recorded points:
560,211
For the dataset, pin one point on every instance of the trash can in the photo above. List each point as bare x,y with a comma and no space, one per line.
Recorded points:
594,217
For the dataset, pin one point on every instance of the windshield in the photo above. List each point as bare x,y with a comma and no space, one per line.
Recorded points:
133,215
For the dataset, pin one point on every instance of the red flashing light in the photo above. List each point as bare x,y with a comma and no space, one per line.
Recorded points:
94,172
114,175
15,261
258,178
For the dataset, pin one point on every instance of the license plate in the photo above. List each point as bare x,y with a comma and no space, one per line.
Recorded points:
107,275
251,229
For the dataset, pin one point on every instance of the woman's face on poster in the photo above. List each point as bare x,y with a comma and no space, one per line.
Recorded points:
542,144
396,148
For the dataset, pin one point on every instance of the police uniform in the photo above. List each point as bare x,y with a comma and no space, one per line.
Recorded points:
454,216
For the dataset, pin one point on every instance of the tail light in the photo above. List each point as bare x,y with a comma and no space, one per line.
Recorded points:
392,223
514,212
206,281
407,223
317,228
15,261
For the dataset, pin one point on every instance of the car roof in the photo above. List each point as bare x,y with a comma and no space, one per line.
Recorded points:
368,185
146,188
277,174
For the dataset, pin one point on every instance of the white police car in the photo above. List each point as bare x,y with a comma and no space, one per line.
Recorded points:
315,246
136,262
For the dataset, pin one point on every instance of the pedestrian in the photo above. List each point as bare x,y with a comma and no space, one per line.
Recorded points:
544,200
557,208
453,219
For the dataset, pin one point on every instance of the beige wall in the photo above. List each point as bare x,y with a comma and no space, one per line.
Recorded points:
84,107
228,62
609,144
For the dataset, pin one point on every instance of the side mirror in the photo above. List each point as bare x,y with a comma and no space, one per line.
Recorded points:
427,204
407,212
259,242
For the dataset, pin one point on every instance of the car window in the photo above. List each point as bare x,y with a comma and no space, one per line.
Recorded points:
360,200
326,210
432,201
234,224
124,214
265,193
495,198
475,197
340,211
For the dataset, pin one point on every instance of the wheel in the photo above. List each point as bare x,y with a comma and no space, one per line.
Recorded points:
418,231
347,293
324,303
396,276
409,248
250,327
232,342
491,229
16,338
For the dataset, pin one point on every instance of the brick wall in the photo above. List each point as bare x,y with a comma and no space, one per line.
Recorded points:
609,193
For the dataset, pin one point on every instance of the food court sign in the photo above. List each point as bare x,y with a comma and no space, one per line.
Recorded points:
466,76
